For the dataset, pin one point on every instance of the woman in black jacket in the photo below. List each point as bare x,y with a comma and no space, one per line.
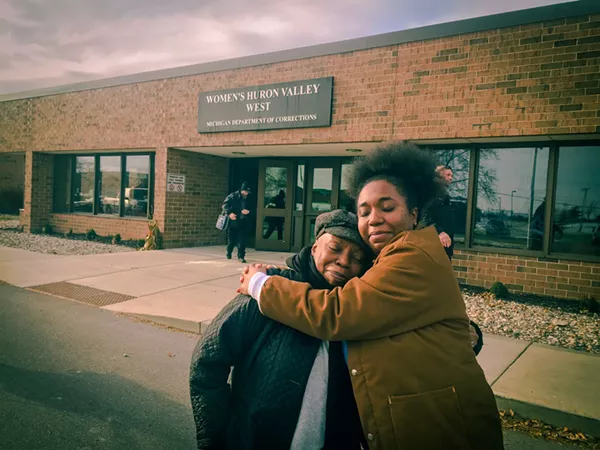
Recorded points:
288,390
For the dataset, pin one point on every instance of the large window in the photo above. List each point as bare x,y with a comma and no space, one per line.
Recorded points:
116,185
576,227
511,193
529,200
458,160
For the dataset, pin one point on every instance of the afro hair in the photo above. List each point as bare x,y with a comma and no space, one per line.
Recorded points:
410,169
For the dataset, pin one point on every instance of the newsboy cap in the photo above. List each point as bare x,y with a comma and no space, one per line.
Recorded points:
340,223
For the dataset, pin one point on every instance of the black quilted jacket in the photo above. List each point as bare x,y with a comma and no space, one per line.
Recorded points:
271,364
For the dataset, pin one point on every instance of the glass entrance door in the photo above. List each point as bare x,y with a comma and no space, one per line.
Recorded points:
322,193
275,205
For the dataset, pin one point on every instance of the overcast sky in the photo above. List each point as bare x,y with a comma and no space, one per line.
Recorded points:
53,42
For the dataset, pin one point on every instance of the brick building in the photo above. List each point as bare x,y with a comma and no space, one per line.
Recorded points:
511,102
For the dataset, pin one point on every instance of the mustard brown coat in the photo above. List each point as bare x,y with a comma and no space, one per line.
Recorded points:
414,375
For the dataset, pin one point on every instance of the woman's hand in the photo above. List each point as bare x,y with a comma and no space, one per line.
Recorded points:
247,274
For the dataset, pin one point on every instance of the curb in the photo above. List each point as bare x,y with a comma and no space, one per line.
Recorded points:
190,326
587,425
554,417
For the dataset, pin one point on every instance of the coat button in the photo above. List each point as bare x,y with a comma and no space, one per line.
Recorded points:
354,372
370,437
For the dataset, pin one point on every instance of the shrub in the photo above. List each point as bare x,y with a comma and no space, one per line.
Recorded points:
590,304
91,235
499,290
47,229
153,239
116,239
70,233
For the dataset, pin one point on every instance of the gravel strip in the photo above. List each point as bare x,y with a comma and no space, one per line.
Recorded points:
55,245
544,320
10,224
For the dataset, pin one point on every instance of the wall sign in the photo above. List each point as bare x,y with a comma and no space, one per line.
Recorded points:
298,104
176,183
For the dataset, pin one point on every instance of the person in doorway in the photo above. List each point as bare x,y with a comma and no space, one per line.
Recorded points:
276,223
416,381
440,213
288,390
236,207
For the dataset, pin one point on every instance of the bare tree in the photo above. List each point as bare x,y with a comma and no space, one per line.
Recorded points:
459,161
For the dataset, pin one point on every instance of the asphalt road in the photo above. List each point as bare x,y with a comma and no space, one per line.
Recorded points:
65,382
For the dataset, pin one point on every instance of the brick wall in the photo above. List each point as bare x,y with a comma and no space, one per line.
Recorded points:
39,180
103,226
534,79
543,276
12,172
190,217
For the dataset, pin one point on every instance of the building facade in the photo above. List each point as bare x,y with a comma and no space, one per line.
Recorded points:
510,102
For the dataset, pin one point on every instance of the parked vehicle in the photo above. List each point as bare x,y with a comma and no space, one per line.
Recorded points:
136,201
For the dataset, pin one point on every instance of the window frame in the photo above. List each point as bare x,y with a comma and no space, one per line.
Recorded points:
554,146
123,165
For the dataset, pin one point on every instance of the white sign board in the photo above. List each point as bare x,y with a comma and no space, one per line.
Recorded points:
176,183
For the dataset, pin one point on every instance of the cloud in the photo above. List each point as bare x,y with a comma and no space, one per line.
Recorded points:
53,42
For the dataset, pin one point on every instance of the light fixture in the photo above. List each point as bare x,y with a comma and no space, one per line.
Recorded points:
353,150
238,153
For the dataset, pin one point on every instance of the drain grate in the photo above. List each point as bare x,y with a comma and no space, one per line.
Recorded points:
83,294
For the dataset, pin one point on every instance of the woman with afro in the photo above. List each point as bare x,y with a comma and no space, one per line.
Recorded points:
403,323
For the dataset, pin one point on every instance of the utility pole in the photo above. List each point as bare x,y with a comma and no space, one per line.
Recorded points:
531,194
511,206
585,191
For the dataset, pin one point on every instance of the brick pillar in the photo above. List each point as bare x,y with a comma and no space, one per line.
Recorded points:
160,186
190,216
39,181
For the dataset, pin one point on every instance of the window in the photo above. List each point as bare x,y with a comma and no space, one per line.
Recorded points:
300,187
322,186
110,184
346,202
83,184
459,161
62,183
137,185
275,187
576,227
116,185
511,193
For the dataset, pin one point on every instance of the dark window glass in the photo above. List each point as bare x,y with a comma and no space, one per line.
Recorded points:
83,185
458,160
137,185
273,228
110,184
576,227
346,202
511,193
299,197
322,185
62,183
275,187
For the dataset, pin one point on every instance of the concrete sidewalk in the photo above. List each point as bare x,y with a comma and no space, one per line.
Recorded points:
186,288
